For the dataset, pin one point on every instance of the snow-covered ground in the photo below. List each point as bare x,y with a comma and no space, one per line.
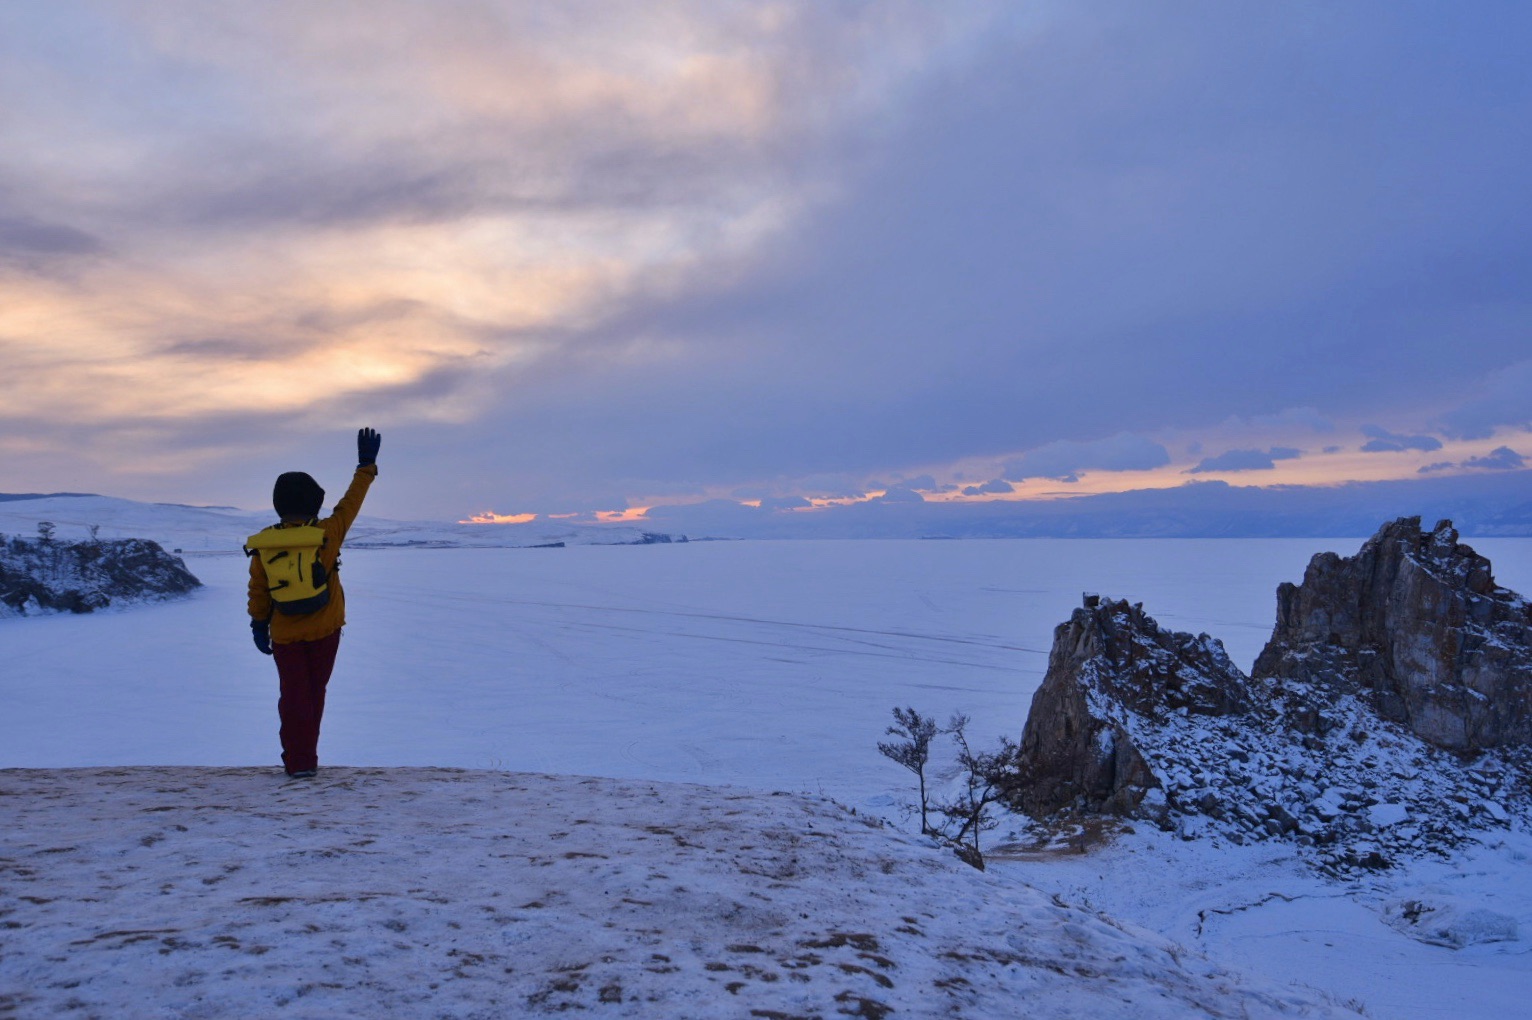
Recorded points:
431,893
765,666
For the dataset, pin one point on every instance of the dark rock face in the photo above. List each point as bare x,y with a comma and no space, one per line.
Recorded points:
80,577
1389,716
1111,662
1415,623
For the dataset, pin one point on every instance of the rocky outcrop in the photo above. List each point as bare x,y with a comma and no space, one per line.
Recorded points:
1387,717
81,577
1415,623
1111,673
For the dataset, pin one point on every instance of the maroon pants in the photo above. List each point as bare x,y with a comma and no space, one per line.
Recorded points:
304,670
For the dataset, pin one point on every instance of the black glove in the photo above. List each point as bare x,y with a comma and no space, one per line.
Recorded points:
261,631
367,443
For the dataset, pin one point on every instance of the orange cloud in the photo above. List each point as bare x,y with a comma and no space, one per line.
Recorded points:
490,517
631,515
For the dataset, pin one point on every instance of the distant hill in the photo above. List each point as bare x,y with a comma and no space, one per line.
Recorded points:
1493,505
1498,505
214,529
11,497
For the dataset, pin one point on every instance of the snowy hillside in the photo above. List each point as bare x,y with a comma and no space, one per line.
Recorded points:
416,892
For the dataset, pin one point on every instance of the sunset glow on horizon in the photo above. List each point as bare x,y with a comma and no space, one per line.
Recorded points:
1336,467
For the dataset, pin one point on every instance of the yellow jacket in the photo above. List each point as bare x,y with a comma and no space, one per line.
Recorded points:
326,621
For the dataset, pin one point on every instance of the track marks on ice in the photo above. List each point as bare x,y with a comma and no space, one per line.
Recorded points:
845,640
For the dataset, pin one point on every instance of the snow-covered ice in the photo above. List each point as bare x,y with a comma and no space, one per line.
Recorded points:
758,666
770,664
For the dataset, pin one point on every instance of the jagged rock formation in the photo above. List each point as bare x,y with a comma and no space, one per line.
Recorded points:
39,576
1135,721
1416,622
1111,666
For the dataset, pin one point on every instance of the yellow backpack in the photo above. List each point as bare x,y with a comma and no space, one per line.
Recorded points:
298,581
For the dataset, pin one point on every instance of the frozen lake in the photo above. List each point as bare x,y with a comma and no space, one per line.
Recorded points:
765,664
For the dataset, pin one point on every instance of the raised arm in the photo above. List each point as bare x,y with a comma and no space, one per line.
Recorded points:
367,443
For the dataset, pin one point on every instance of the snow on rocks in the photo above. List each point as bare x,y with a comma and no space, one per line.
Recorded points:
1416,626
1442,920
1245,759
50,575
1384,815
209,892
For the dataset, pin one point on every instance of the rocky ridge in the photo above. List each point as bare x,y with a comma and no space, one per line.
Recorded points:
1339,742
53,576
1415,624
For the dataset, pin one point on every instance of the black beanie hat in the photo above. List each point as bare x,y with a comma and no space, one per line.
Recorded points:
297,495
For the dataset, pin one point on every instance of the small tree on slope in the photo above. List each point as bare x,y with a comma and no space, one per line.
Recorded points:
985,776
913,752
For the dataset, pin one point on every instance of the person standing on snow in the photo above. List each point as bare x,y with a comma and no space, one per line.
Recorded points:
297,607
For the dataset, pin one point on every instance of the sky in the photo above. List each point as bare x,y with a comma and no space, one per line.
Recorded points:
586,257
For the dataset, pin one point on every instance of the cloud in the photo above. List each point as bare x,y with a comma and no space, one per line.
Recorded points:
926,483
1503,398
1286,422
899,495
995,486
784,503
831,485
1303,417
1064,459
1246,460
23,235
1502,458
510,178
727,509
1384,441
579,248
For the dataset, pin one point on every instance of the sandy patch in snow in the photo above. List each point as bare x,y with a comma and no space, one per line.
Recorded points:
215,892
